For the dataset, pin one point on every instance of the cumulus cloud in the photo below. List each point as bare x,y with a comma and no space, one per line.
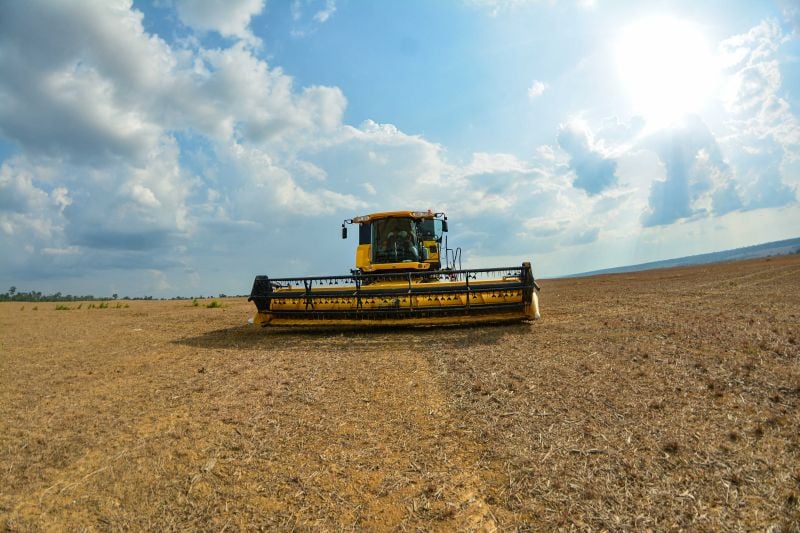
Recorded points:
229,18
691,157
64,95
489,196
142,155
325,13
271,188
320,12
239,94
762,122
96,109
496,7
768,190
129,207
103,88
158,158
744,166
751,47
700,182
397,165
753,83
18,193
537,89
510,204
749,87
594,171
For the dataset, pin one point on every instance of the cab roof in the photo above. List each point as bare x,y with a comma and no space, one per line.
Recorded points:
394,214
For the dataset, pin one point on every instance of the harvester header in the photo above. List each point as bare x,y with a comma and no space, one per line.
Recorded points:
406,274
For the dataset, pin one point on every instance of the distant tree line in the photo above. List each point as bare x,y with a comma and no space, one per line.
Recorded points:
37,296
13,295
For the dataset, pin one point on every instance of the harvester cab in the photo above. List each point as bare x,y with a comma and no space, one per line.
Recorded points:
399,241
399,280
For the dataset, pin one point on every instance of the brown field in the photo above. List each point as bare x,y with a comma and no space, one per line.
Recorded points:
662,400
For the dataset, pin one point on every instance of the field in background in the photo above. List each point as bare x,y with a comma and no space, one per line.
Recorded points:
663,399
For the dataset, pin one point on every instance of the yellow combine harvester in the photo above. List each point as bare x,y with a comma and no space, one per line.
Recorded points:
399,280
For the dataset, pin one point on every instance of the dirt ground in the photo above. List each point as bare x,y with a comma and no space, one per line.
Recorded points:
658,400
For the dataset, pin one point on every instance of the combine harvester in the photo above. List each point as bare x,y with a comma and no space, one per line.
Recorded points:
399,280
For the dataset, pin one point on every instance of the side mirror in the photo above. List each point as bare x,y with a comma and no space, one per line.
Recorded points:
444,225
344,231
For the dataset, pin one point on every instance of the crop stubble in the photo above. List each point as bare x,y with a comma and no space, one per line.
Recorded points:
663,400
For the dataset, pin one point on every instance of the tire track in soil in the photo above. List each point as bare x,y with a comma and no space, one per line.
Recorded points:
413,468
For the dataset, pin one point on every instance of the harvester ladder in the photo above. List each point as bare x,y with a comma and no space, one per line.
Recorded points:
359,304
468,291
410,294
309,300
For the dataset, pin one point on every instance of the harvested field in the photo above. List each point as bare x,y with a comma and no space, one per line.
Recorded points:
664,400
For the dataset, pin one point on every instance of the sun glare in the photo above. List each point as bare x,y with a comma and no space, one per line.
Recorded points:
666,68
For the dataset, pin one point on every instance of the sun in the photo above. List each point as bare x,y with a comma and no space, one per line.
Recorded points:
666,68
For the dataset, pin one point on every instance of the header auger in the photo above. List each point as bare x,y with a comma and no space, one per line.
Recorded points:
399,280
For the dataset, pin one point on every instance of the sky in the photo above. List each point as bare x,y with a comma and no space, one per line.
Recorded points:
180,147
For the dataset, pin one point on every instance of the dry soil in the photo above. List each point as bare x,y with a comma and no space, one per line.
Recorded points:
660,400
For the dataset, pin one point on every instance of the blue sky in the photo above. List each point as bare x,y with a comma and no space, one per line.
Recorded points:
179,148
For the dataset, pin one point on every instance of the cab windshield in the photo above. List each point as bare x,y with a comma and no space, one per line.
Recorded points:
395,240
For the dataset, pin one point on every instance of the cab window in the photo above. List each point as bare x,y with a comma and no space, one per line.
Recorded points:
394,240
430,229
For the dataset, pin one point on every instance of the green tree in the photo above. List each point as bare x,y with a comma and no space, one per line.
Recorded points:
12,291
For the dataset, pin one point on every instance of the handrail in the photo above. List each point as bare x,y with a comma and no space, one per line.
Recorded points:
397,275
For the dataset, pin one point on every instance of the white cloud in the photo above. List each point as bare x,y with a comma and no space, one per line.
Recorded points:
322,11
697,175
144,196
497,7
536,89
230,18
325,13
159,282
594,171
545,152
69,250
304,169
161,158
296,8
763,133
60,197
751,47
238,94
391,160
18,193
95,109
490,163
73,93
747,88
108,118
